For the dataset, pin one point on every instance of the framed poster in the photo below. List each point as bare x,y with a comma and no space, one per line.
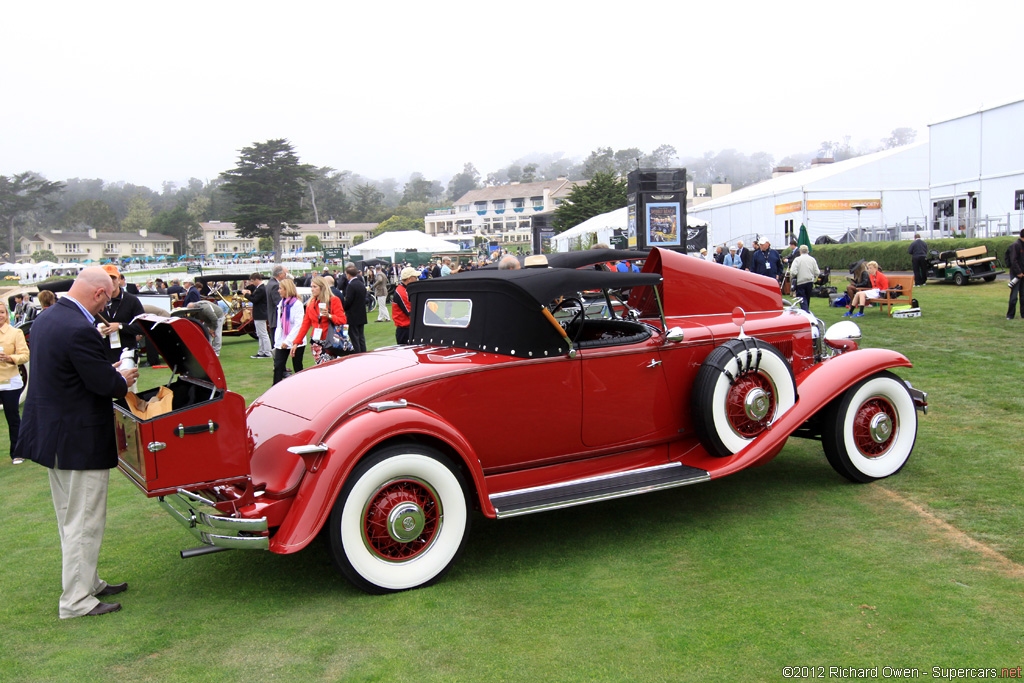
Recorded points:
663,224
631,227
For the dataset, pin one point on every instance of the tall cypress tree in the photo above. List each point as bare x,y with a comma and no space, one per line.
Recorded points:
268,185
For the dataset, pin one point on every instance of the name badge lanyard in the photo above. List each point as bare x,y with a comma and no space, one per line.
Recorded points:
115,337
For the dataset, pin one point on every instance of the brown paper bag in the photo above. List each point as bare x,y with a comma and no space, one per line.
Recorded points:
158,405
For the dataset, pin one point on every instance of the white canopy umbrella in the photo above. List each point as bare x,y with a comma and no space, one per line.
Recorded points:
385,245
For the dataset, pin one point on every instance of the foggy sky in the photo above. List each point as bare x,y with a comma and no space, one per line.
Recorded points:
148,92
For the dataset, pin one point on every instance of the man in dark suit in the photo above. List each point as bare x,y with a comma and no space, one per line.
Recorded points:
192,295
120,311
354,303
67,427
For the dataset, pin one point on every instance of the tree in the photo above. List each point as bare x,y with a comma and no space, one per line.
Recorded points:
627,159
268,186
396,223
601,160
313,243
464,182
369,202
44,255
21,194
357,239
899,137
178,223
529,173
140,215
91,212
665,156
419,189
325,197
604,192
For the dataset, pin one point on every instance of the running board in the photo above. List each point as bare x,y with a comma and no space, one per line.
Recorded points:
593,489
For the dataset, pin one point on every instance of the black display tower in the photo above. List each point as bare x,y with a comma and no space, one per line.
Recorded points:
656,200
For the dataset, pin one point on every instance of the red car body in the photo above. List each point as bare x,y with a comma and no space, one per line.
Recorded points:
388,451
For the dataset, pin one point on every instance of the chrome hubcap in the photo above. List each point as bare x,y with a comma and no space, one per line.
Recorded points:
880,427
406,522
756,404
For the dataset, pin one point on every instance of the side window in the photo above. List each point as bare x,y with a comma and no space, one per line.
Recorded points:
447,312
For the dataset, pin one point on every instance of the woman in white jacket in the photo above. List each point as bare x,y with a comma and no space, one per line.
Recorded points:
289,319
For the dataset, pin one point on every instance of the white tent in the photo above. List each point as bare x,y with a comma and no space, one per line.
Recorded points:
890,187
602,227
385,245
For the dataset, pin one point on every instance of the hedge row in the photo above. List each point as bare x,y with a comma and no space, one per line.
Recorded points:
893,256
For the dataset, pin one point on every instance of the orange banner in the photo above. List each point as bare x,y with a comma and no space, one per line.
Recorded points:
788,208
841,204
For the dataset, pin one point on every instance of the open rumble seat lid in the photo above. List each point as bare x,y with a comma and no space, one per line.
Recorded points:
184,346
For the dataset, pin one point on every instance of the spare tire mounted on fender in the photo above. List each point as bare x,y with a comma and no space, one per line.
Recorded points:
742,387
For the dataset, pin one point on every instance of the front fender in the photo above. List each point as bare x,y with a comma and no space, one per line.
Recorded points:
816,388
347,443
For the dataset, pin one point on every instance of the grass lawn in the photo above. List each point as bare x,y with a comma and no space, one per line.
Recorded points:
783,565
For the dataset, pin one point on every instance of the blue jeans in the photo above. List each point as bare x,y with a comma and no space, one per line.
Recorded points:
1015,294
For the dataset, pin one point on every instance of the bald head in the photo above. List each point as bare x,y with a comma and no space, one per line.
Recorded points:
93,289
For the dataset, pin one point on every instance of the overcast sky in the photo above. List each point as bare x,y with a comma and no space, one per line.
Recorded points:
145,92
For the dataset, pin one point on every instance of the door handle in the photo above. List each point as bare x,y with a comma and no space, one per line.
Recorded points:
654,363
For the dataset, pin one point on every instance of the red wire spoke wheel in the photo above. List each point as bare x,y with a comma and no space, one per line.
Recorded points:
401,520
743,386
869,432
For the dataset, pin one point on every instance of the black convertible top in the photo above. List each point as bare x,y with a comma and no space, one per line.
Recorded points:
503,311
540,284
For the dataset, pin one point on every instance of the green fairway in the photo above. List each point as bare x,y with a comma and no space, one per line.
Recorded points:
785,565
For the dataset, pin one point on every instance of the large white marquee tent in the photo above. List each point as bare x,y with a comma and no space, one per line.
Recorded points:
891,186
385,245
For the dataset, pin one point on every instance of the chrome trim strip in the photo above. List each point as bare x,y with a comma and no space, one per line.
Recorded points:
609,496
586,480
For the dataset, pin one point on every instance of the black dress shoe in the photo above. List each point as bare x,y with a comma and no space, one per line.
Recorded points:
103,608
113,589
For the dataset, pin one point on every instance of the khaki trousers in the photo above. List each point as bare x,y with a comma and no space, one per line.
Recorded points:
80,501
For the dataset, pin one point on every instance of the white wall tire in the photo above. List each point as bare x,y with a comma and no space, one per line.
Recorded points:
400,521
870,431
743,386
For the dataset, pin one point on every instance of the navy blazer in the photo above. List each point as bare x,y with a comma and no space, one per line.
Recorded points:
354,301
68,421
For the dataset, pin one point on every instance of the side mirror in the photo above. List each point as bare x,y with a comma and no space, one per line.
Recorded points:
674,335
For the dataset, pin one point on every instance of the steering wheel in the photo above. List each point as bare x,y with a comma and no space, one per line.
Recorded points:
563,304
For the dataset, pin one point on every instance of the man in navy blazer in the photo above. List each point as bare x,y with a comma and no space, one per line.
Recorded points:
68,427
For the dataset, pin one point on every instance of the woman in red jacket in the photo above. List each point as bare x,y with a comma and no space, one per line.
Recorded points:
879,289
323,309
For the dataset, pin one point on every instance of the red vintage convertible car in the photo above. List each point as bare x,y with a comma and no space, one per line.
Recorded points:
623,383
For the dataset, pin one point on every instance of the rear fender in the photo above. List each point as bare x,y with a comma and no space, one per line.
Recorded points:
815,388
348,443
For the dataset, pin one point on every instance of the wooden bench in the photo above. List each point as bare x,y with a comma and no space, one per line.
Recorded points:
896,297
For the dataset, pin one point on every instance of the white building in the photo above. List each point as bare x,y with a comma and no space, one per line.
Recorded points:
977,172
503,213
890,187
222,238
90,245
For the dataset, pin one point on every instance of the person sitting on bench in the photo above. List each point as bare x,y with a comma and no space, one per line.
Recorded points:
879,289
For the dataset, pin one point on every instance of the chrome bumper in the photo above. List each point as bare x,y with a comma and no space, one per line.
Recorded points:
212,529
920,398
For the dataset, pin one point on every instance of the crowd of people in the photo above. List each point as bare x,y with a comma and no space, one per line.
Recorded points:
795,264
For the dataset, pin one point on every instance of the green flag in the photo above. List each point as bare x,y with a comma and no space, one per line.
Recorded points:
804,239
